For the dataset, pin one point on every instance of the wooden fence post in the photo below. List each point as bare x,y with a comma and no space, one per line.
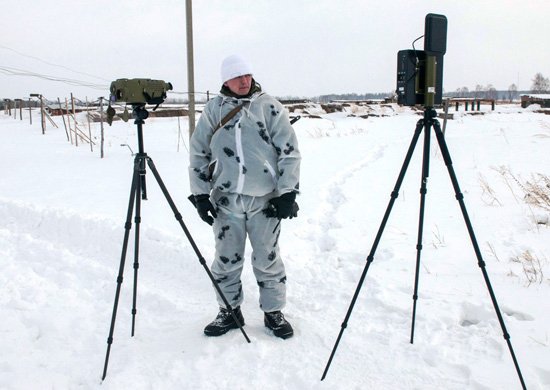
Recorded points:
89,127
179,134
68,120
20,109
63,117
74,119
446,114
42,116
101,116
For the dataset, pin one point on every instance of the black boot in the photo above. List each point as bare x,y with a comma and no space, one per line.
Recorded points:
224,322
278,324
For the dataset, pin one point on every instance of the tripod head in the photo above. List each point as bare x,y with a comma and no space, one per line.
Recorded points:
139,112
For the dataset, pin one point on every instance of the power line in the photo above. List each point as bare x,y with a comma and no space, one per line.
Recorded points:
10,71
21,72
50,63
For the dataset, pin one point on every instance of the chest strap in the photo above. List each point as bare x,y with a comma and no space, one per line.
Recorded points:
228,117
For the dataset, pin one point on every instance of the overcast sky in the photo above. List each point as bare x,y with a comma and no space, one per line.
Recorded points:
295,47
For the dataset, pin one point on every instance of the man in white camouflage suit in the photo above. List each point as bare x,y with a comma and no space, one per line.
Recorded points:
244,176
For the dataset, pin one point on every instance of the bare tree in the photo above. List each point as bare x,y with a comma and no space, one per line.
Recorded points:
490,92
462,92
540,84
479,91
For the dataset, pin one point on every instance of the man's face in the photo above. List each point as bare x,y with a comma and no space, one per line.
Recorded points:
240,85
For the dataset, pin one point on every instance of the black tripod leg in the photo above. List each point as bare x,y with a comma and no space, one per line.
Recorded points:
423,191
481,263
194,245
137,220
143,184
127,227
370,258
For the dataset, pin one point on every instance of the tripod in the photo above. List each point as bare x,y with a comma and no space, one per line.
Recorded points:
139,188
426,124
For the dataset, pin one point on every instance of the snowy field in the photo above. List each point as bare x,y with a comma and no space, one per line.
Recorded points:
62,213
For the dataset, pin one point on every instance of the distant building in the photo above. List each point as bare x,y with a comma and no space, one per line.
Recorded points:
542,99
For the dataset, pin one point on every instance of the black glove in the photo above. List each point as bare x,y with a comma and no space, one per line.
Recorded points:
203,205
283,206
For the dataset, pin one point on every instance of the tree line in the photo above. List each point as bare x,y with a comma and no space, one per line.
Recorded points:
540,85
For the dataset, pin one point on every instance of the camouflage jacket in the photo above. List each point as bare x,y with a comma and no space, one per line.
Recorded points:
255,153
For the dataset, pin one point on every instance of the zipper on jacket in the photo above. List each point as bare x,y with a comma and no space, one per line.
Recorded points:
240,154
271,171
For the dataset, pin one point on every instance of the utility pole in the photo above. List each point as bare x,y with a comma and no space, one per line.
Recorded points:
190,67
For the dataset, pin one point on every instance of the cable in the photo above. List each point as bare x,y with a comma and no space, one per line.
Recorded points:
417,60
21,72
50,63
422,36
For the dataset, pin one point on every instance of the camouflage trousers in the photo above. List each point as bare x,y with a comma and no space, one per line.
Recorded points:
239,217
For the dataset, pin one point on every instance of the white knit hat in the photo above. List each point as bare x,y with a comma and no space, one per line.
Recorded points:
234,66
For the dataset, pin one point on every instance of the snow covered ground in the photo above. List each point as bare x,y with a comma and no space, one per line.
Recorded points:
62,213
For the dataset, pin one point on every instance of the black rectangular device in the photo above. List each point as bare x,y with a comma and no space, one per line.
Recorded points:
408,69
435,34
420,72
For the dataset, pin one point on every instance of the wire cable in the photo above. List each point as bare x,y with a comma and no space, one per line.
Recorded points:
50,63
21,72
